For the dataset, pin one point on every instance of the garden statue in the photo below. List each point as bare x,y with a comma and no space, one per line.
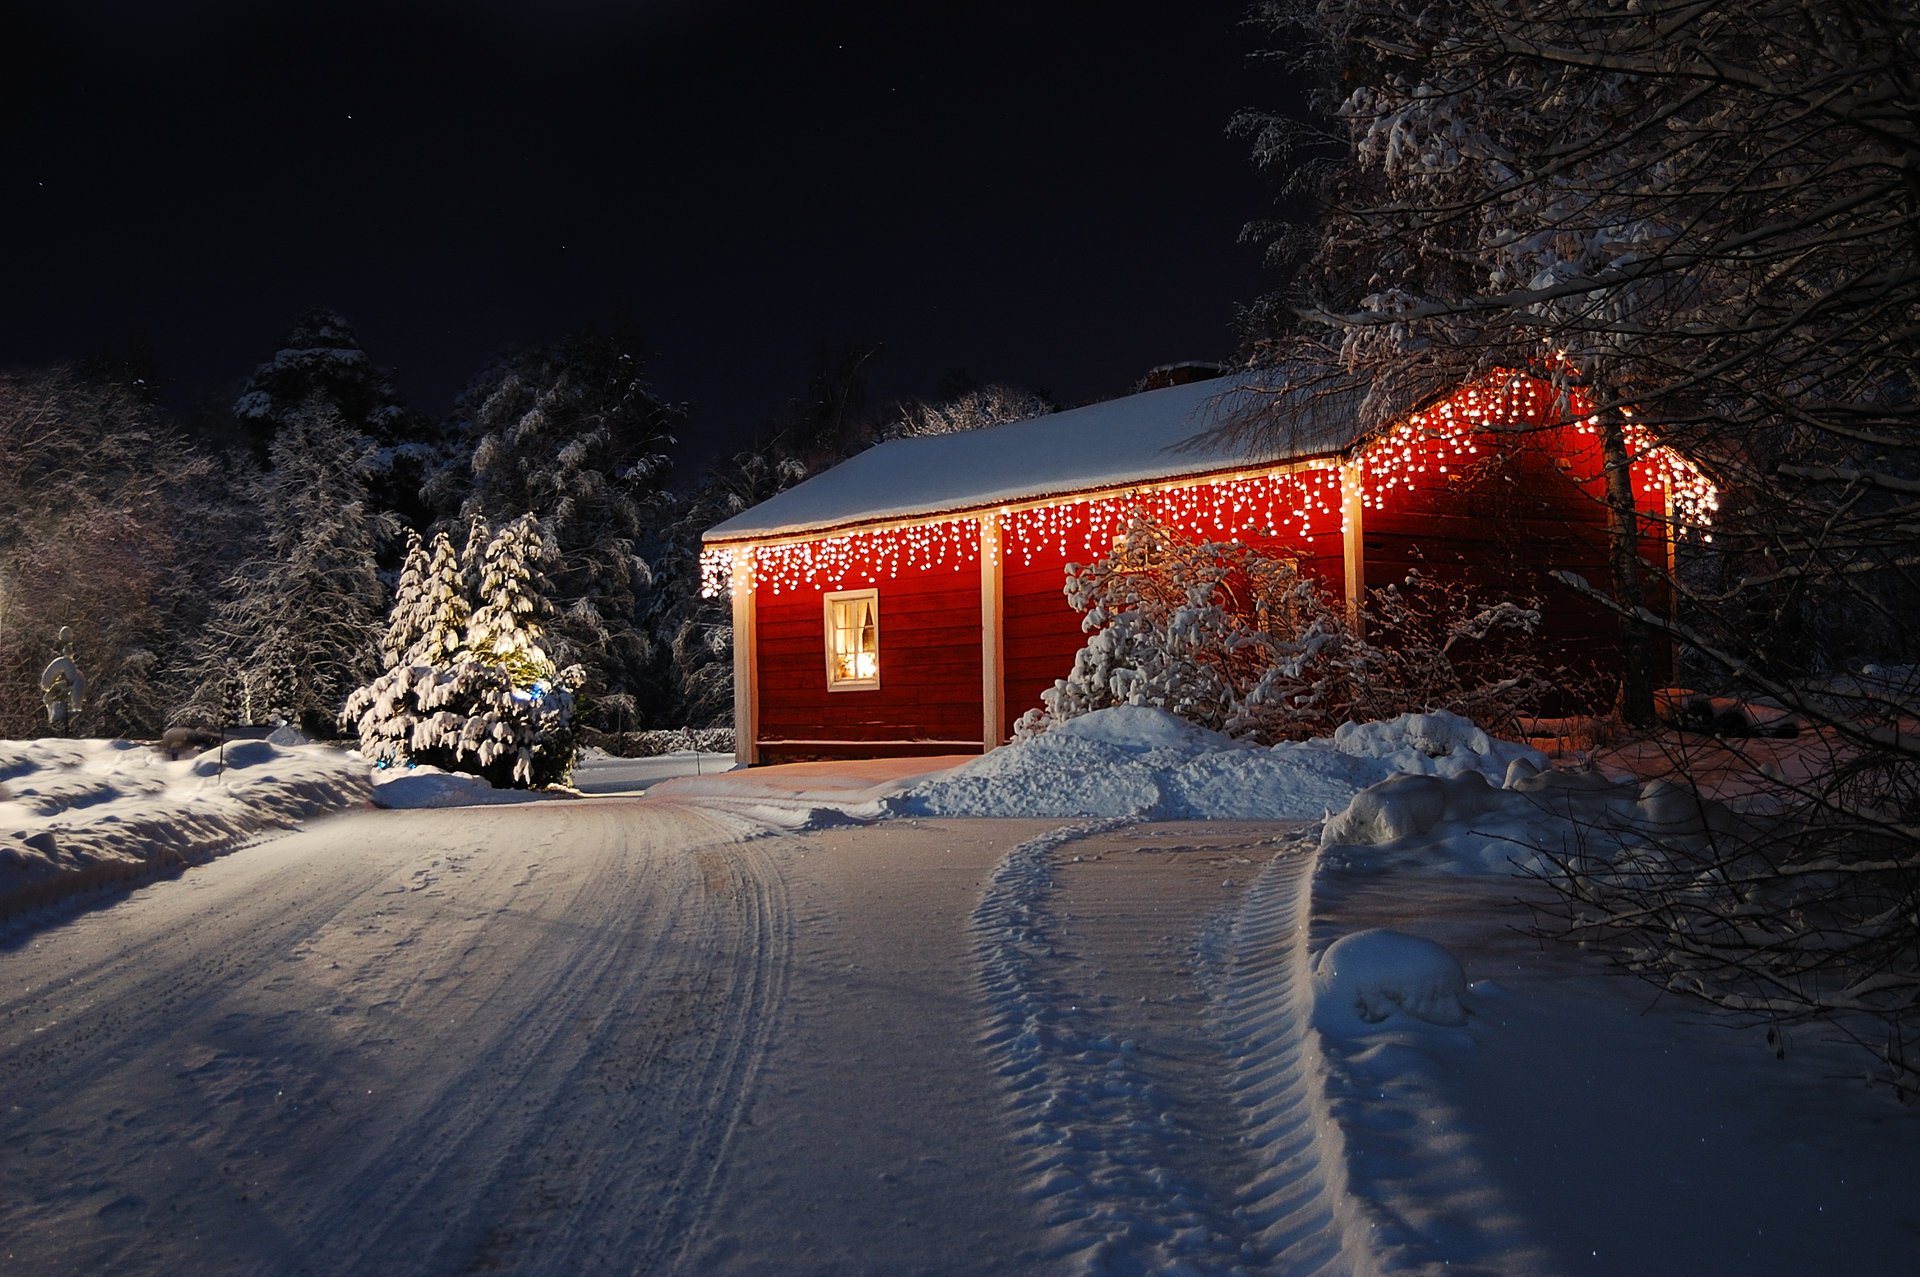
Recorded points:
62,686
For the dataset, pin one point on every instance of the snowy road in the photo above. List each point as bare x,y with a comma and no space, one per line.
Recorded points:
397,1042
633,1036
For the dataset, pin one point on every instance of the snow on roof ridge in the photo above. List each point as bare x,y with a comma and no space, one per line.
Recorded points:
1142,438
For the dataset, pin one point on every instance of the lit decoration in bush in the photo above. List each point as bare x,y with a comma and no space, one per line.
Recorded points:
1296,502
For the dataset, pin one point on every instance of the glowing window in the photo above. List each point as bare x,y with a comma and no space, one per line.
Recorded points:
853,640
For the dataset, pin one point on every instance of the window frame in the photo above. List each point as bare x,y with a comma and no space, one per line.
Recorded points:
835,681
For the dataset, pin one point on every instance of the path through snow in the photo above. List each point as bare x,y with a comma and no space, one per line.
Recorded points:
513,1038
1149,1016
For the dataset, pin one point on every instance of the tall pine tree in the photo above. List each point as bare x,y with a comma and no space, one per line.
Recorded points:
301,623
572,433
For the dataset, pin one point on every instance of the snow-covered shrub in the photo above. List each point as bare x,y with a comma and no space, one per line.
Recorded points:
664,740
1237,639
1246,642
472,689
1434,645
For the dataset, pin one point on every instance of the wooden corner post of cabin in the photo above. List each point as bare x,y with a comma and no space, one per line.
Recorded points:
993,687
746,662
1353,544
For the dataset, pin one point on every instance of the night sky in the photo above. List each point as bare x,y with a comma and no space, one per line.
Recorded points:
1038,194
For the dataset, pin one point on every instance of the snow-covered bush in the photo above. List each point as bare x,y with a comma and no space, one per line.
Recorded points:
1434,644
470,688
1233,638
664,740
1244,641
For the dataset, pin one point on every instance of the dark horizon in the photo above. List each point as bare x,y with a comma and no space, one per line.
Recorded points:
1048,199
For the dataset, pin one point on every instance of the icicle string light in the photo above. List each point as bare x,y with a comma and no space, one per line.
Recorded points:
1294,503
1251,506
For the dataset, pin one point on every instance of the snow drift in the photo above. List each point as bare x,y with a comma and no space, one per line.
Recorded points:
78,813
1145,763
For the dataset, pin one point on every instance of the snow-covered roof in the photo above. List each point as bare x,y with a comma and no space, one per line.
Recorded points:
1144,438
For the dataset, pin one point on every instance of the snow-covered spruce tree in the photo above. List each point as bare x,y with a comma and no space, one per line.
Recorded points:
1227,636
404,621
1704,215
475,690
300,623
573,433
322,364
438,633
425,639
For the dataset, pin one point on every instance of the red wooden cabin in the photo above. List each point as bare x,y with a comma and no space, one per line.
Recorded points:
908,601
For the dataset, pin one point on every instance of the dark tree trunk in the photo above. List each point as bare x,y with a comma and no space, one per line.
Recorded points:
1623,542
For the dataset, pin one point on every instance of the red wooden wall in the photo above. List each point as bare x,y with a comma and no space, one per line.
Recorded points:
929,693
1501,523
1041,633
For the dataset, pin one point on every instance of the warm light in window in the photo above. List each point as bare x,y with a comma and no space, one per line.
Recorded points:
853,639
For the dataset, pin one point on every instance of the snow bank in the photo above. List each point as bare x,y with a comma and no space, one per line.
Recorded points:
1436,744
1534,820
1145,763
78,813
422,786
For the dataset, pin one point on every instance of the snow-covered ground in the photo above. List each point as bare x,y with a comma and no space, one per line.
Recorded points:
1169,1019
76,814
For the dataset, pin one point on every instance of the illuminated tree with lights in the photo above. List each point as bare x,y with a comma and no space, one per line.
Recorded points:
1706,216
474,689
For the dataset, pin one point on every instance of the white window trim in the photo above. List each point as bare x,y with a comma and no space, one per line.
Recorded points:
836,684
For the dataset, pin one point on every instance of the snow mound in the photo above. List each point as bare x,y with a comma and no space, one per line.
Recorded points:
75,814
1144,763
1536,822
1435,744
1139,728
1366,979
1404,806
423,786
1136,762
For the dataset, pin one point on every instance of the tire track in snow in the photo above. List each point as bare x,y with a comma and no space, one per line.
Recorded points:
1101,1136
511,1038
628,1070
1302,1216
1109,1150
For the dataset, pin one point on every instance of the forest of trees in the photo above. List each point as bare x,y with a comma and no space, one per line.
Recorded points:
240,567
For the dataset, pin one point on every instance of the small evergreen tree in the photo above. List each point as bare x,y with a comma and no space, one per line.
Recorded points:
403,626
475,691
444,609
